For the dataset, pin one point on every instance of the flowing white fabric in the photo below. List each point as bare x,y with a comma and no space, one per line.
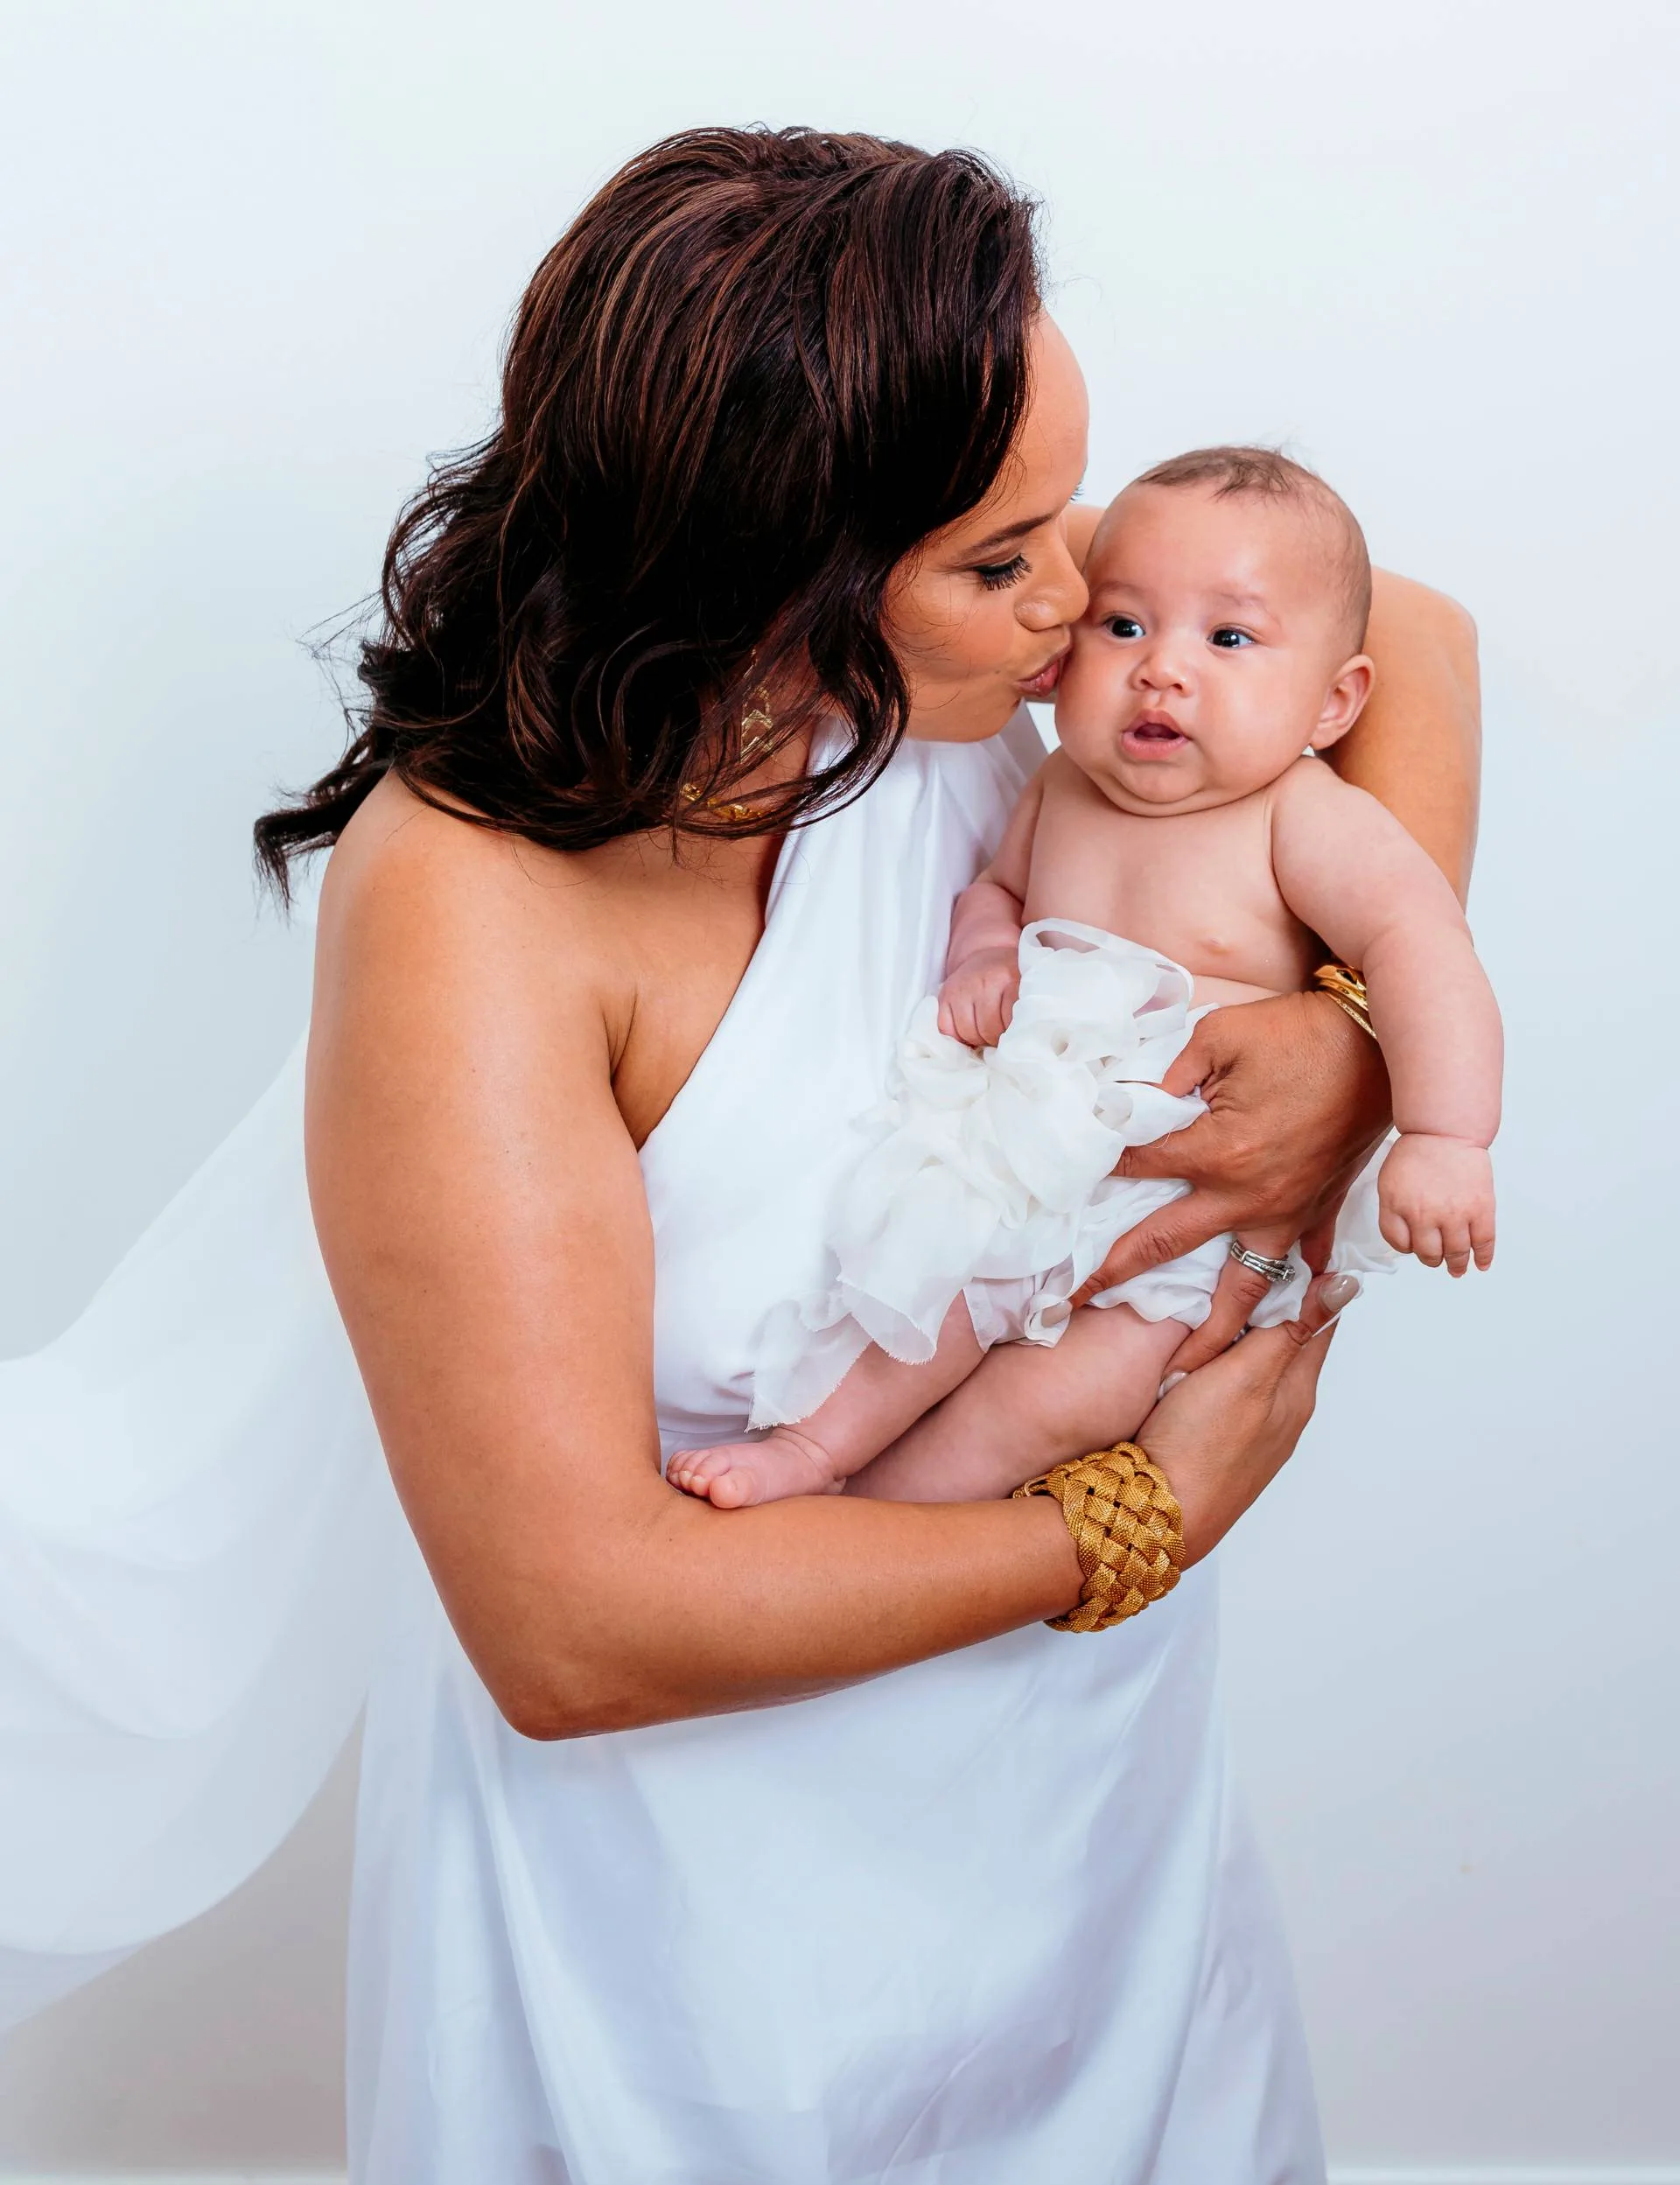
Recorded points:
987,1919
990,1176
198,1547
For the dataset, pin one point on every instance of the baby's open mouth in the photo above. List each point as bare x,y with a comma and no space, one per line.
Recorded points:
1152,736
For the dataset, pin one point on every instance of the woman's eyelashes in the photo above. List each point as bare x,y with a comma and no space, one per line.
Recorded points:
995,575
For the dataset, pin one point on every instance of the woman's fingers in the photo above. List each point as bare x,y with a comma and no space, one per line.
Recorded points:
1319,1235
1304,1345
1239,1290
1326,1300
1193,1153
1197,1060
1177,1228
1222,1434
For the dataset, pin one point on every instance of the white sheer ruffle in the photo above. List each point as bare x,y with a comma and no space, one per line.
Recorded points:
989,1176
197,1547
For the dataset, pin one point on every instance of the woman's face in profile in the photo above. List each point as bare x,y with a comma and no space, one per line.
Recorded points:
979,614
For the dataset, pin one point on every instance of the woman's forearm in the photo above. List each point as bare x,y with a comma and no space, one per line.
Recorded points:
699,1611
1417,747
679,1610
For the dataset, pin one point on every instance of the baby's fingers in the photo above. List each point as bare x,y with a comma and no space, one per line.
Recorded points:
1482,1240
1428,1245
1397,1230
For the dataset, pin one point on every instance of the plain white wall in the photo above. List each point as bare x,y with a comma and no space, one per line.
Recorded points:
257,262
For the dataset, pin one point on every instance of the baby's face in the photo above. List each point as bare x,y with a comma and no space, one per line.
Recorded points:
1212,653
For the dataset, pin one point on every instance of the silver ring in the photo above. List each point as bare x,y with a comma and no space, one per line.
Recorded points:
1273,1269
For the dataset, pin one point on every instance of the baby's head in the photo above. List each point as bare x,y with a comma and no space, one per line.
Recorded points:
1229,590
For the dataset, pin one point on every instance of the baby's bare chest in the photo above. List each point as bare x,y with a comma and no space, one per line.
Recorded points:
1199,886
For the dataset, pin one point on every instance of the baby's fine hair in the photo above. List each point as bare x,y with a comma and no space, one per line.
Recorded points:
1270,476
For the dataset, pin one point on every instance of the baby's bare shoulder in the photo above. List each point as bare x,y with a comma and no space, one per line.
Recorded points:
1311,795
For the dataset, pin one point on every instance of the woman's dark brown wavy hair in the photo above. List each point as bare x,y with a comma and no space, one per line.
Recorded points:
758,368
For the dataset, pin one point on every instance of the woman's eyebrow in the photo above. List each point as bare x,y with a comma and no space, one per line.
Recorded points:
1010,532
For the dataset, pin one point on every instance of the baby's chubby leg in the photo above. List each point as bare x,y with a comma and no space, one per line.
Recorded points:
871,1407
1028,1407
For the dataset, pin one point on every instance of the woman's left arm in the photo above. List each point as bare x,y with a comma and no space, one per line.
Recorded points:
1297,1095
1417,747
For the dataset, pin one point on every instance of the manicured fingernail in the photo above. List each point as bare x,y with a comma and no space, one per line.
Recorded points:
1340,1290
1171,1382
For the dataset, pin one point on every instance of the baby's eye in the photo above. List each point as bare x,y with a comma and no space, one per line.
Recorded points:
1124,626
996,574
1228,639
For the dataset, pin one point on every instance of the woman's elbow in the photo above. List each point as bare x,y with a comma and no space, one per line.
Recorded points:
584,1693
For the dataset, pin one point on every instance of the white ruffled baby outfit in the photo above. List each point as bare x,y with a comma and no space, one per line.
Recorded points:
990,1176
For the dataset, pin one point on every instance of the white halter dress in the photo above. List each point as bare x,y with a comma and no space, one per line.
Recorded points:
987,1921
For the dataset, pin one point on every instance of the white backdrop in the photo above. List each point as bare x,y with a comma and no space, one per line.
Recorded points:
256,264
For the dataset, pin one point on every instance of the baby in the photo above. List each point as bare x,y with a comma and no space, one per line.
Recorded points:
1183,850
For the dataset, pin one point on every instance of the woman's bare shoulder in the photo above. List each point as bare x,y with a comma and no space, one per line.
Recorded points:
404,859
415,896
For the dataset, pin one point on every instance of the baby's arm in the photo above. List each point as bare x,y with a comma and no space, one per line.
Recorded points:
1349,871
983,962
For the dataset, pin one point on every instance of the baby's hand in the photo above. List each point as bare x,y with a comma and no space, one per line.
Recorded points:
977,1000
1435,1197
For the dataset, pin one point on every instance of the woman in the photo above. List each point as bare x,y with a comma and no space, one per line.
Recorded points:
772,536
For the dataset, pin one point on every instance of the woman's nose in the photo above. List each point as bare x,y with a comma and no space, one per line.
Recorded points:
1060,595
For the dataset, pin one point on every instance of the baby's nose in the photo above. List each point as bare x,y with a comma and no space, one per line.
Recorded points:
1162,668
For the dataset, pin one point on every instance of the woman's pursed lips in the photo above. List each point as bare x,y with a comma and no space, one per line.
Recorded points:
1041,684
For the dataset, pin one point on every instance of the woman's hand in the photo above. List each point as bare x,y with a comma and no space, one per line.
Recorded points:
1298,1096
1223,1434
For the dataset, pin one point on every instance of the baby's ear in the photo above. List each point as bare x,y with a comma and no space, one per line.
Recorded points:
1344,701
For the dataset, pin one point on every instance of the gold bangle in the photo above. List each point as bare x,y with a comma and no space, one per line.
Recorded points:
1346,989
1128,1532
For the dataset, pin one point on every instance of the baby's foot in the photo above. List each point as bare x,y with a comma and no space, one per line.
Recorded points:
741,1473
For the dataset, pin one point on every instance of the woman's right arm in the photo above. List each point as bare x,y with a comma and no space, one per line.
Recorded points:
480,1209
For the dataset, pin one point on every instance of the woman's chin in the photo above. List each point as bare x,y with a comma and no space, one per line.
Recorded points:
967,718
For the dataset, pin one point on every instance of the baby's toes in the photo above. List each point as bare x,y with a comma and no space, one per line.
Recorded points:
733,1488
693,1470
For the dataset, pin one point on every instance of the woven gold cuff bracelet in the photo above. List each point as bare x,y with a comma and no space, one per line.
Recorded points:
1128,1532
1346,989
